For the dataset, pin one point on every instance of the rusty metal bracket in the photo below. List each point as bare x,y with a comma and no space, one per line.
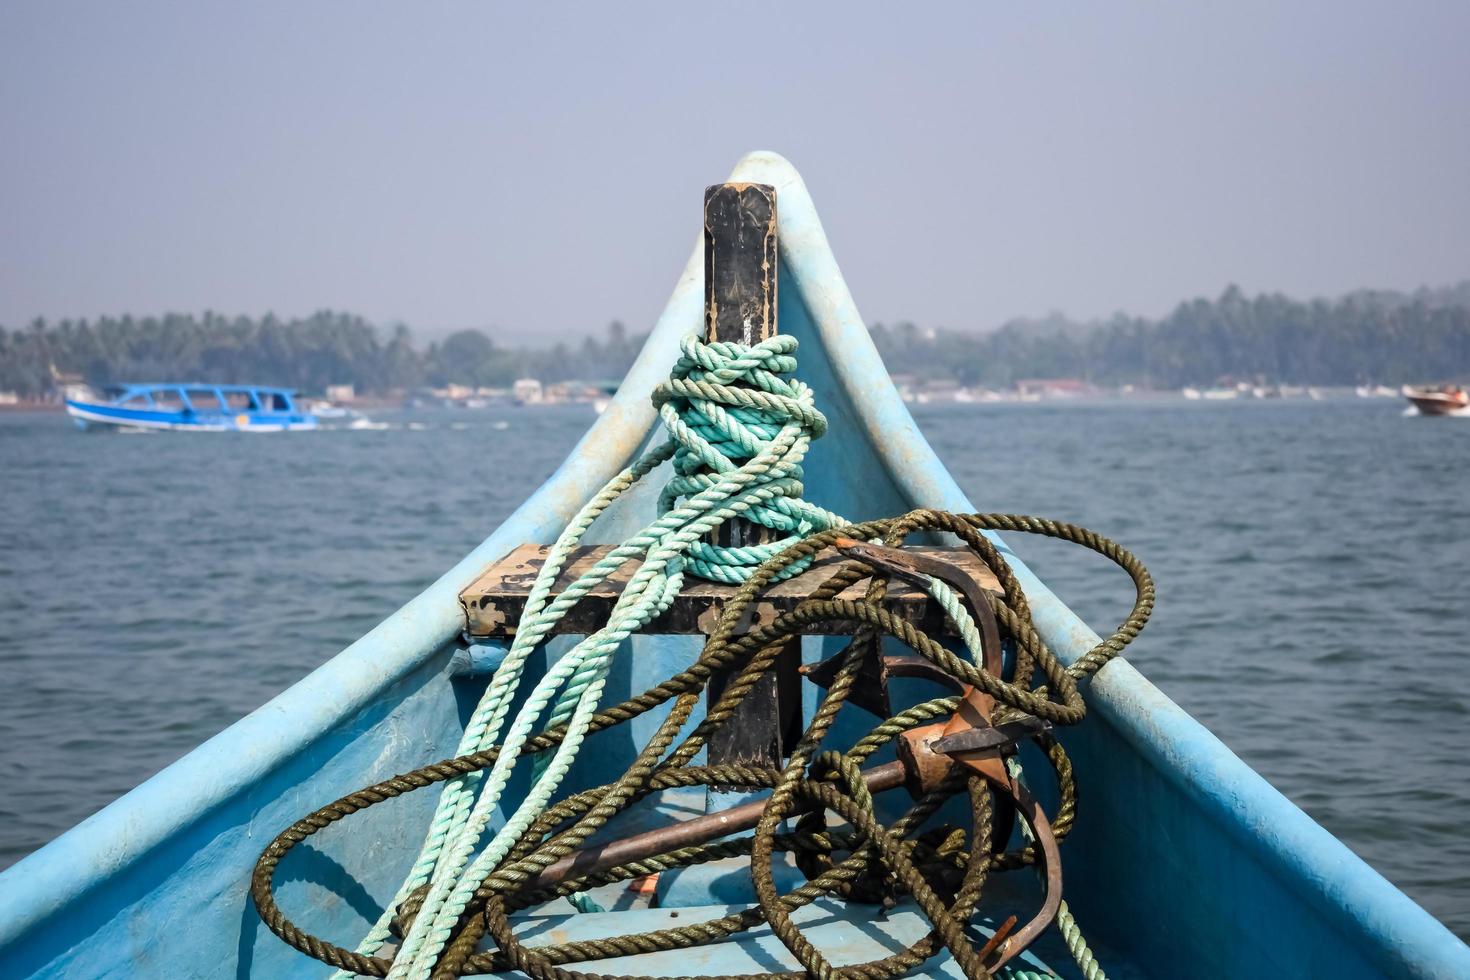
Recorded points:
998,736
869,689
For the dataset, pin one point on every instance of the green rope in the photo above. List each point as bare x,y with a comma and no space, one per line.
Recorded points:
738,431
571,821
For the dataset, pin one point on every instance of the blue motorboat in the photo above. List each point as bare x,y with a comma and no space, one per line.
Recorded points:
1184,862
198,407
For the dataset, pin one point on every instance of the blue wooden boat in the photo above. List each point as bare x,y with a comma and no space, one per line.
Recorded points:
188,408
1188,863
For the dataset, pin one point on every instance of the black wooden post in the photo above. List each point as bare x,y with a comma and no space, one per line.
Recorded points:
740,306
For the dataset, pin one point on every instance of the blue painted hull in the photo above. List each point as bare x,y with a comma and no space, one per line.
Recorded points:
1185,863
90,415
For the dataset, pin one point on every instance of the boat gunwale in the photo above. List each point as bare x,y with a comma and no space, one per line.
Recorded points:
1318,867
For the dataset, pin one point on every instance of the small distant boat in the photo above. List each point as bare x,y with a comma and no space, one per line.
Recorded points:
327,410
1444,400
187,407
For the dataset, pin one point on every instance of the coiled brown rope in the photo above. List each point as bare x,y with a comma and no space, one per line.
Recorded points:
944,879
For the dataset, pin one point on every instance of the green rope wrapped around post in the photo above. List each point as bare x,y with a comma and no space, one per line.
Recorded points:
721,428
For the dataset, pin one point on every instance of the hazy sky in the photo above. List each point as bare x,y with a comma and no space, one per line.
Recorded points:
488,164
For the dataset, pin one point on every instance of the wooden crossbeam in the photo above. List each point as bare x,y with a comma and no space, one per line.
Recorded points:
493,603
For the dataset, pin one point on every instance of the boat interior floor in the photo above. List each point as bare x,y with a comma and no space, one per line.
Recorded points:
846,933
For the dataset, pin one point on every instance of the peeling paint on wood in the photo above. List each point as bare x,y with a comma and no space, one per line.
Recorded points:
494,601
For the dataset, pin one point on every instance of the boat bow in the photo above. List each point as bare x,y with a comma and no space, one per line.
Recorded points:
1186,856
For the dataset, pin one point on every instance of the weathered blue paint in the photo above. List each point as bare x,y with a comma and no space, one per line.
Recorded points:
1186,862
478,659
828,923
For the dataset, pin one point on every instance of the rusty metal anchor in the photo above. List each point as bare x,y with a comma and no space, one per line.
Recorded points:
970,738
